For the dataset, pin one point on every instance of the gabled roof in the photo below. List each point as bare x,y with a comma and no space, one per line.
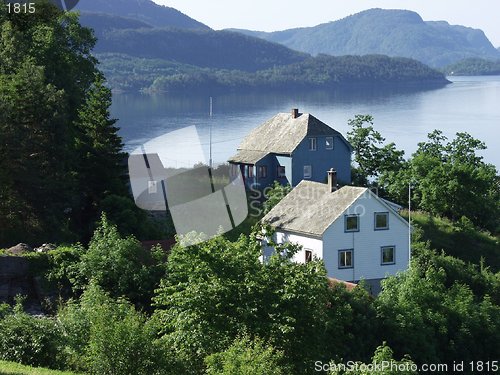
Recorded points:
247,156
283,133
310,208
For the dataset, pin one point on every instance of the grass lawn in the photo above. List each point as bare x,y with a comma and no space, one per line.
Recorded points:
12,368
469,246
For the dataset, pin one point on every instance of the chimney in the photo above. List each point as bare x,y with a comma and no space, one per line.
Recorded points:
295,112
332,180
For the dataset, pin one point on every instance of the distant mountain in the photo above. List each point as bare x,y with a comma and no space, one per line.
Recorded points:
388,32
143,29
143,10
473,67
208,49
102,22
142,46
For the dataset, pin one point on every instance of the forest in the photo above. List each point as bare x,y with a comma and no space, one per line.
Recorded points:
321,72
117,307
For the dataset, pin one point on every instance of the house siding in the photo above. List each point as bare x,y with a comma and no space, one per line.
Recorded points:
322,160
307,242
366,242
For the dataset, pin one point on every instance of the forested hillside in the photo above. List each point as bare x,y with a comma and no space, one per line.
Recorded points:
473,67
211,49
388,32
323,72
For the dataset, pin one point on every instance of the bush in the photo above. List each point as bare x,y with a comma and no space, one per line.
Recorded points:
106,336
246,357
382,364
34,341
121,266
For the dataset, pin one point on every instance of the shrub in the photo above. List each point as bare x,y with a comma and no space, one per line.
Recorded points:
107,336
246,357
34,341
121,266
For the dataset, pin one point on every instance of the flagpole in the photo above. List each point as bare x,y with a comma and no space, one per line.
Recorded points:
409,221
210,152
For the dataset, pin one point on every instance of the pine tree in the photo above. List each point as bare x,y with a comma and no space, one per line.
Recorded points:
99,147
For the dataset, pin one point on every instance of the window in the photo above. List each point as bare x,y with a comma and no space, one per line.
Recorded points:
388,255
309,256
307,171
351,223
281,171
329,143
381,220
312,144
346,258
262,172
250,171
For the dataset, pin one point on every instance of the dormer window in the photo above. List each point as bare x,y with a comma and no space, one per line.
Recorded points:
312,144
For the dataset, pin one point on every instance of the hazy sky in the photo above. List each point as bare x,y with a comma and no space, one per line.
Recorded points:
270,15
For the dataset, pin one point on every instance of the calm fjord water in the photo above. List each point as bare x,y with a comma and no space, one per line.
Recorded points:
403,116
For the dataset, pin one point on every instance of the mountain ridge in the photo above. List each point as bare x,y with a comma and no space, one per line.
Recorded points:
146,11
391,32
136,54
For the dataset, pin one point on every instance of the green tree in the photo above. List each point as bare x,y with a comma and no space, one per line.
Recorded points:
217,290
372,158
108,336
58,142
383,363
352,325
246,357
431,314
450,179
121,266
274,195
34,190
99,147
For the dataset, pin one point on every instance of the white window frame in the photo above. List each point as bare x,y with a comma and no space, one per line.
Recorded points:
260,169
382,263
306,253
313,143
281,172
327,147
309,169
345,251
345,223
386,214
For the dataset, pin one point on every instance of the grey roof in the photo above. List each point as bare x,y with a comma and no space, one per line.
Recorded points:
247,156
283,133
311,208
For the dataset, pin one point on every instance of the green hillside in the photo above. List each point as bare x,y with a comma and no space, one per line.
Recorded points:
130,73
388,32
143,10
457,240
101,22
473,67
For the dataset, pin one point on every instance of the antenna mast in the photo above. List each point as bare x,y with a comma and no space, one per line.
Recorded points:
210,152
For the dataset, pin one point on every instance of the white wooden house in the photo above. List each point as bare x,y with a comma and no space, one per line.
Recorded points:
357,234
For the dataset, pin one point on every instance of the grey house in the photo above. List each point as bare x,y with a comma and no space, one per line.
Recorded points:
291,147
